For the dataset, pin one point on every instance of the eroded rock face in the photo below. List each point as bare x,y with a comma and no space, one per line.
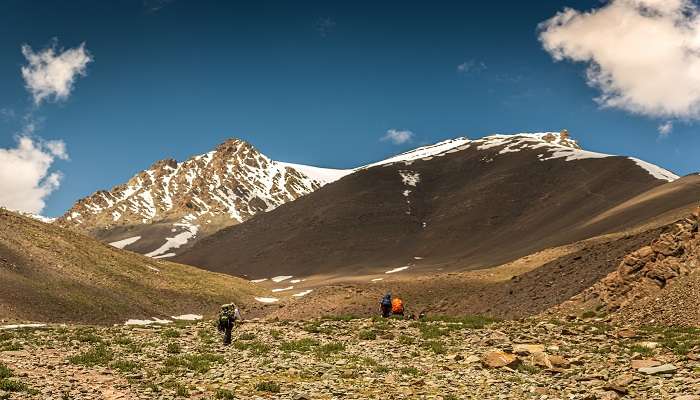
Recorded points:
647,271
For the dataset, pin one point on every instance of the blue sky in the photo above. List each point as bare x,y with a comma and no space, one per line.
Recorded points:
307,82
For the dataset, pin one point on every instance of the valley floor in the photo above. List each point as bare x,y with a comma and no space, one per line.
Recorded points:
342,358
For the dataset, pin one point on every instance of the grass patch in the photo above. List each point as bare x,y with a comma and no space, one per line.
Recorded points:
465,321
98,355
367,334
432,331
317,327
125,366
680,340
381,369
170,333
435,346
194,362
173,348
643,350
268,386
407,340
275,334
10,346
224,394
413,371
329,348
123,340
301,345
87,337
9,385
246,336
256,347
5,372
342,317
181,390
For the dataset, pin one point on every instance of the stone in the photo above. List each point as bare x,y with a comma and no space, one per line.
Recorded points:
637,364
626,333
661,369
545,360
525,349
499,359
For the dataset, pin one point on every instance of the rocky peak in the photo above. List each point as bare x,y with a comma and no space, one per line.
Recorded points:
223,187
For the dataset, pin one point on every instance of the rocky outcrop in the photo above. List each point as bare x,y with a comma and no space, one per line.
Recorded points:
649,270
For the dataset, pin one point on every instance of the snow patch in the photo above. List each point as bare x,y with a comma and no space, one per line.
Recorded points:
281,278
120,244
267,300
304,293
409,178
259,280
655,171
21,326
323,176
188,317
282,289
398,269
147,321
190,231
378,279
166,255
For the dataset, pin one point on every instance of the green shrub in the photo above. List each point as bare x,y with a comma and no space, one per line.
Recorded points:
410,371
268,386
329,348
87,337
194,362
124,366
277,335
9,385
224,394
98,355
170,333
5,372
435,346
465,321
367,334
256,347
173,348
407,340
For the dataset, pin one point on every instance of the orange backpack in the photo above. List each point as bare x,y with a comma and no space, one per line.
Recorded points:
397,306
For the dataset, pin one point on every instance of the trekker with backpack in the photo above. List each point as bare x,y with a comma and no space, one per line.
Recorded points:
385,305
397,306
228,315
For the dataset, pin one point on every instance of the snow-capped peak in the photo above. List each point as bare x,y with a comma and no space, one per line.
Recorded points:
551,145
228,185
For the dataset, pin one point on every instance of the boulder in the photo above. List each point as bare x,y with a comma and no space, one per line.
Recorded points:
661,369
525,349
637,364
499,359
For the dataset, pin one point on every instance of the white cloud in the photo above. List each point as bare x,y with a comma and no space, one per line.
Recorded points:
643,55
25,180
665,129
397,136
471,66
50,74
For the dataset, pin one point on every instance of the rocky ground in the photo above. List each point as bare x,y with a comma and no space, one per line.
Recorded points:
342,358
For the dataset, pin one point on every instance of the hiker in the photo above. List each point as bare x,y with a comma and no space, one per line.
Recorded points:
385,305
397,306
228,316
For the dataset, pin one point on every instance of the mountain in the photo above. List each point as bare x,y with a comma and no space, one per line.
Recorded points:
457,205
170,205
52,274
